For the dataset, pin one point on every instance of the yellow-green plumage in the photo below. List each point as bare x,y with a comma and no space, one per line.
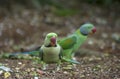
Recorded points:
51,54
50,51
72,43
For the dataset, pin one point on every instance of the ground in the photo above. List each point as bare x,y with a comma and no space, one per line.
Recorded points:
104,66
99,56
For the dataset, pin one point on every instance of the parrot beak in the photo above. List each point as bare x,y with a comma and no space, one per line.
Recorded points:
53,41
93,31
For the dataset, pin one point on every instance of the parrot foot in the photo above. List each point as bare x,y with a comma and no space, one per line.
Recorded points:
44,68
58,68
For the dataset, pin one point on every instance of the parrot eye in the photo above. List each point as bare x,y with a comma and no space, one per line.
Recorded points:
48,36
89,27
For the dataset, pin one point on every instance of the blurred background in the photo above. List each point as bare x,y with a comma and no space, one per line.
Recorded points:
24,23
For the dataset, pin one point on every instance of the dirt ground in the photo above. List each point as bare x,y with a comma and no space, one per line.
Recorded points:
99,56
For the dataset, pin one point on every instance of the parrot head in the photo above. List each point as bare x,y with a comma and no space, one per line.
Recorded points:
88,28
50,40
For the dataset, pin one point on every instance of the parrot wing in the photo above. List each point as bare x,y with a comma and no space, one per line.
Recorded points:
68,42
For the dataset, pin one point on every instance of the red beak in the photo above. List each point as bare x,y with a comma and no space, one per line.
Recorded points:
53,41
94,30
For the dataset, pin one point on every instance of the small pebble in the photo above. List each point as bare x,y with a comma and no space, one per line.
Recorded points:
40,72
35,77
65,72
19,63
1,72
90,42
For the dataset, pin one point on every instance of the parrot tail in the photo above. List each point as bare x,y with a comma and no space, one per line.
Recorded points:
70,60
19,55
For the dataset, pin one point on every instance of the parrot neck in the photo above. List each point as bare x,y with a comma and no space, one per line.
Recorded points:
78,32
50,46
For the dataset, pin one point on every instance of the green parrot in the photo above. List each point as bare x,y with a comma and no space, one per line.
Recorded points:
69,44
72,43
50,51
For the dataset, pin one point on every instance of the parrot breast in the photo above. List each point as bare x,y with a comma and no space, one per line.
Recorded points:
51,54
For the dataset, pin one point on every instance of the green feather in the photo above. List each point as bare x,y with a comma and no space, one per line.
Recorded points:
48,53
72,43
68,42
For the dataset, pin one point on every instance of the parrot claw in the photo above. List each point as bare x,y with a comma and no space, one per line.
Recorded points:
44,68
58,68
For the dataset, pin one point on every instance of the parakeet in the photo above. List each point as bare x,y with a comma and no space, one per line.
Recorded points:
50,51
72,43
